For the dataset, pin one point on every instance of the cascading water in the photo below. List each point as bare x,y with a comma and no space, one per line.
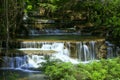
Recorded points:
86,52
82,52
92,50
34,32
22,62
112,50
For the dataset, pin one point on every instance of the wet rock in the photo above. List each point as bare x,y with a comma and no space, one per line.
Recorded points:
102,52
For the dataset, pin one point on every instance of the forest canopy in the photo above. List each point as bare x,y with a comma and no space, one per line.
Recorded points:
103,15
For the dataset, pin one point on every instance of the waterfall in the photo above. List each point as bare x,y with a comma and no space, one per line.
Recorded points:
79,50
112,50
86,52
22,62
92,50
73,52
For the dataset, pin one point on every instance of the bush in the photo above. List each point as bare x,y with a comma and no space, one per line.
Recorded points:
61,71
98,70
49,62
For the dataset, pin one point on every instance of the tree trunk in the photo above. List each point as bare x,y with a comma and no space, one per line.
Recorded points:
7,26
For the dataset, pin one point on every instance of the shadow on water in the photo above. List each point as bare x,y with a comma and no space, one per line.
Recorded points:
12,74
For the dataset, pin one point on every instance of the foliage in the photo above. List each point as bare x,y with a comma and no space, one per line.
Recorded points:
105,14
62,71
97,70
49,62
11,14
57,70
102,14
101,70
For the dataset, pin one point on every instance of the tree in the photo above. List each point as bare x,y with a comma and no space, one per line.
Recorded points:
11,16
106,14
102,14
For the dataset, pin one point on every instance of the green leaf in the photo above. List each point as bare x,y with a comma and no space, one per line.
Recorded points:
29,7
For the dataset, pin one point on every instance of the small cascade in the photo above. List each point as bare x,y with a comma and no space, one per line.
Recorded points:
112,51
67,48
117,51
31,45
34,32
92,50
79,50
22,62
86,52
73,52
